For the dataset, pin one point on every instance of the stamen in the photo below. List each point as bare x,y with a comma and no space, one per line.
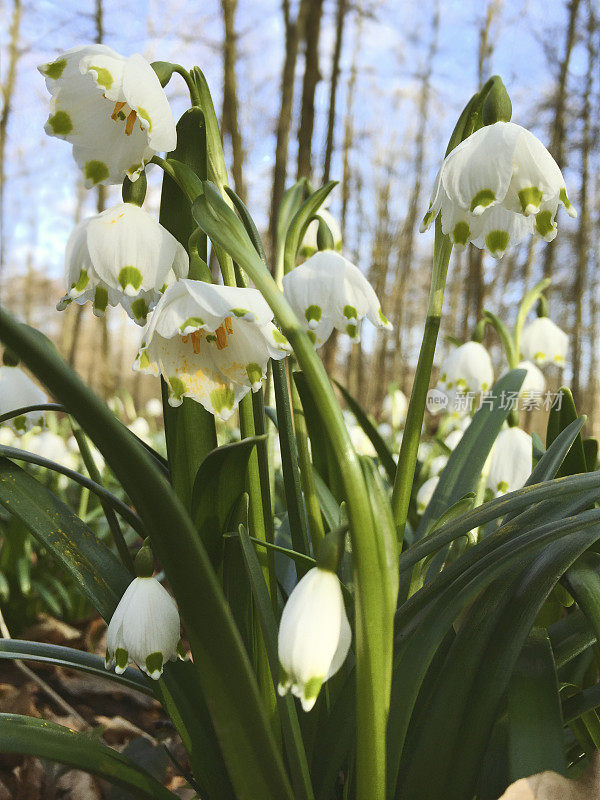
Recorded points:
196,339
221,335
228,324
130,123
185,339
117,108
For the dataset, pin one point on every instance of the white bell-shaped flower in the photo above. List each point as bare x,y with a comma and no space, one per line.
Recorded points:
327,291
310,244
314,635
496,187
394,407
453,438
122,256
50,445
534,383
510,462
425,493
468,369
543,342
437,465
17,390
211,343
111,108
145,628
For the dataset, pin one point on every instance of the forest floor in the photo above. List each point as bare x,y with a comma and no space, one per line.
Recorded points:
125,719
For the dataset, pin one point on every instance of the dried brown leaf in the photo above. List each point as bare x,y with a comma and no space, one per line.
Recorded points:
552,786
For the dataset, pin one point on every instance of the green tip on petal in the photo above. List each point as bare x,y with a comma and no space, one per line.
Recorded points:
311,691
460,234
96,171
178,387
130,276
530,200
483,199
222,399
103,76
569,208
60,123
55,69
497,242
545,225
154,665
100,301
121,658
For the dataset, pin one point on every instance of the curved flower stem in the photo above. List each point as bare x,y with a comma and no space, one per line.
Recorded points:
508,342
407,459
527,304
374,618
193,90
111,517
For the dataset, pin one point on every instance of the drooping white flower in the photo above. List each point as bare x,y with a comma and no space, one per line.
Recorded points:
17,390
437,465
510,461
145,628
154,407
211,343
314,635
327,291
111,108
50,445
468,369
543,342
534,383
123,256
310,244
394,407
453,438
425,493
496,187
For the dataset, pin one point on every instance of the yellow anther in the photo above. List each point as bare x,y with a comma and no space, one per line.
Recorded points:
221,335
228,324
130,122
117,108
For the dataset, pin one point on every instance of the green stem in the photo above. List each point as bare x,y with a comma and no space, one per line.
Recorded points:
313,509
194,94
373,618
526,305
508,342
111,517
407,460
289,465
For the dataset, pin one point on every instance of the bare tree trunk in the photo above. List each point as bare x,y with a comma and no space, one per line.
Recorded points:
342,7
557,138
582,241
349,123
229,118
312,76
406,237
475,286
6,92
294,30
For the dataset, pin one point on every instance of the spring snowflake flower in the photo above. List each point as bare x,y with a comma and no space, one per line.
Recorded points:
211,343
145,628
425,493
17,390
534,383
310,244
496,187
510,461
453,438
468,369
122,256
111,108
314,635
327,291
543,342
394,408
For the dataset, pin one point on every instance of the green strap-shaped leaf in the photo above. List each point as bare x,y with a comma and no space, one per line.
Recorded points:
535,726
381,448
562,414
38,737
426,618
219,484
289,718
220,660
99,573
73,659
463,469
190,429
